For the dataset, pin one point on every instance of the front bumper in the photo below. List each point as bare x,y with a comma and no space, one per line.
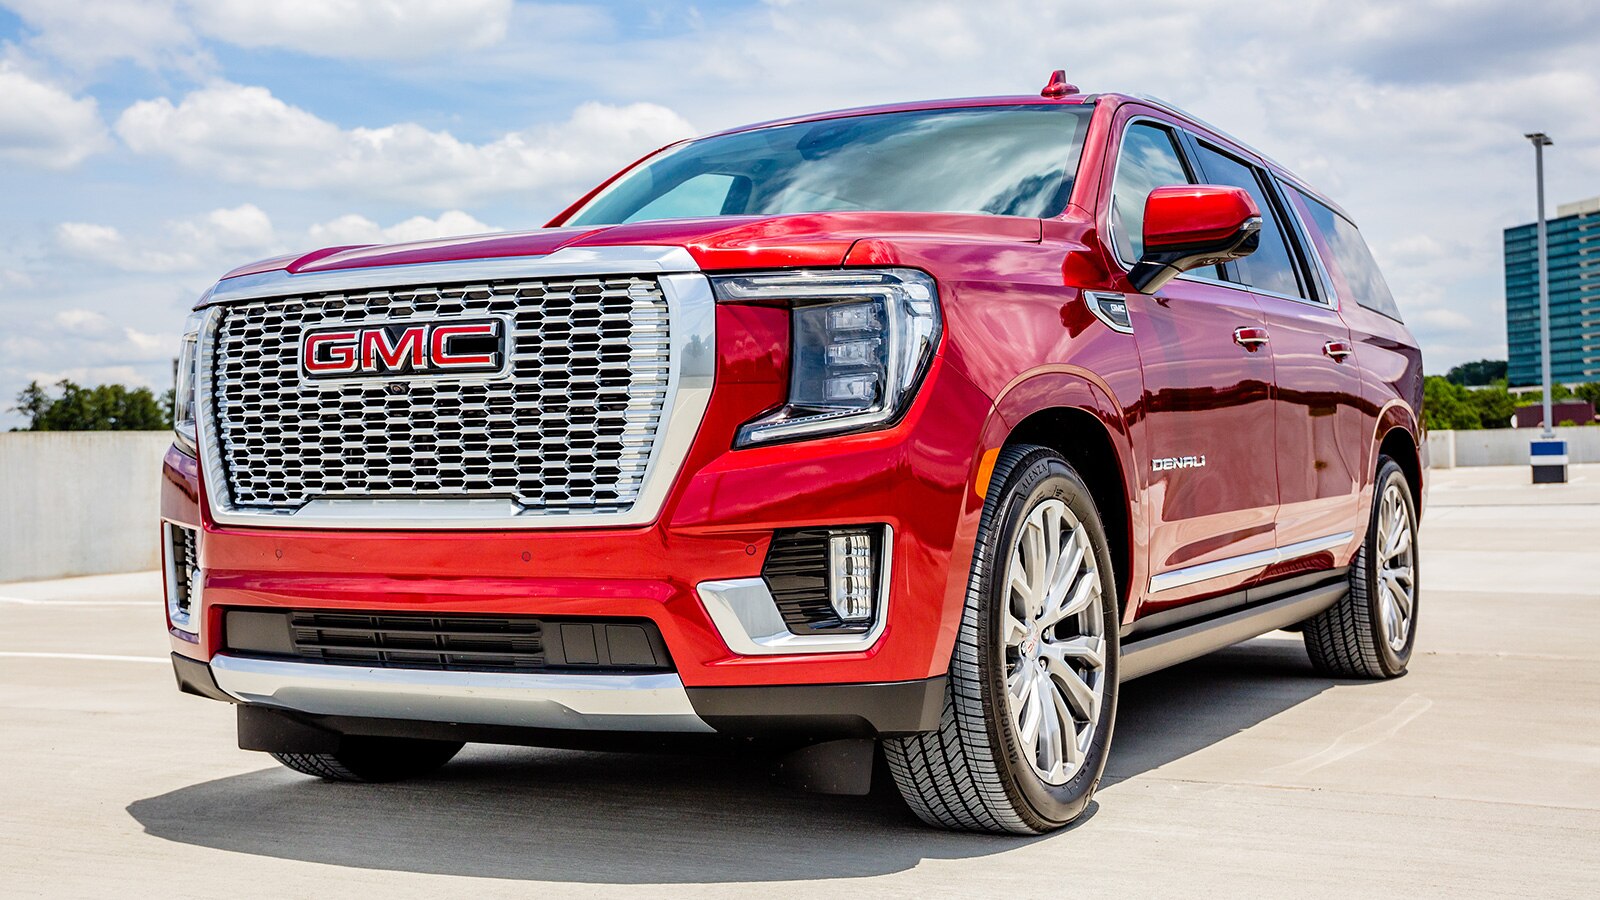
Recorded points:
715,528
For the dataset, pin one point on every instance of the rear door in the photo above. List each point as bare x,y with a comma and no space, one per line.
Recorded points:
1207,432
1316,378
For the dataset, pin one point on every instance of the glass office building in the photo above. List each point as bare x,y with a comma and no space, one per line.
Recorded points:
1574,236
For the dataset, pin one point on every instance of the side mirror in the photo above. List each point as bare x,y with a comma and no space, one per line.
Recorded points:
1191,226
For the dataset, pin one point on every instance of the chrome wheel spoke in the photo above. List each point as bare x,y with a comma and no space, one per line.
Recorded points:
1090,651
1073,603
1069,730
1016,631
1399,542
1084,700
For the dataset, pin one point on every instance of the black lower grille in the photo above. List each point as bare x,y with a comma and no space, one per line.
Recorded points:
411,640
185,556
796,572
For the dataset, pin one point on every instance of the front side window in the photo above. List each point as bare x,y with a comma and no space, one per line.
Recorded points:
1346,255
1000,160
1149,159
1271,267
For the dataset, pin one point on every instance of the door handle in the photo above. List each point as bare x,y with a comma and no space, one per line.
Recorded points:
1250,338
1337,350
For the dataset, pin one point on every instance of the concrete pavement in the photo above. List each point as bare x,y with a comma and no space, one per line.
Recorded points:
1478,774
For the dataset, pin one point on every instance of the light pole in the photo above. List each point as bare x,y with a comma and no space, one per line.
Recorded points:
1549,456
1540,141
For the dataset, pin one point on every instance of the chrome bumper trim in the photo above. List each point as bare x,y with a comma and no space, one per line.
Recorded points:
750,624
577,702
1177,578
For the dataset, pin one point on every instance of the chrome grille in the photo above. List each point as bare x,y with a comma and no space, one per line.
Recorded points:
569,430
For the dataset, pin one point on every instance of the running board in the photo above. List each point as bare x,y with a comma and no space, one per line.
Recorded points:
1158,651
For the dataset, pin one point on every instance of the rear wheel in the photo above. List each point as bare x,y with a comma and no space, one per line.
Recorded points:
1370,633
1033,682
373,759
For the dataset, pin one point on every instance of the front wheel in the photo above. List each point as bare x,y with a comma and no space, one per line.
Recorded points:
1033,682
1370,633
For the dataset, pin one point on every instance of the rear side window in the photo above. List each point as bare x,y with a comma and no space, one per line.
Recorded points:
1341,246
1271,267
1149,159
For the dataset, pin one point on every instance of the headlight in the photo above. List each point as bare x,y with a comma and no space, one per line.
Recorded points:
860,342
183,401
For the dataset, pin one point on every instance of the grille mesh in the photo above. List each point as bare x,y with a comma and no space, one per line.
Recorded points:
570,430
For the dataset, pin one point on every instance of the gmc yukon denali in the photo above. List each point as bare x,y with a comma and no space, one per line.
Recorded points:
913,430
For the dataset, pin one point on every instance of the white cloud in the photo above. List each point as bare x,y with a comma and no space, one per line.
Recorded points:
204,243
87,347
87,34
106,245
358,229
245,134
213,242
394,29
43,125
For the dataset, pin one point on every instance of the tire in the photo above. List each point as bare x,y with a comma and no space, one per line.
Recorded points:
373,759
980,771
1360,636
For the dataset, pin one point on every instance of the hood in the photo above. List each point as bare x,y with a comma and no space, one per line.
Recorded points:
721,243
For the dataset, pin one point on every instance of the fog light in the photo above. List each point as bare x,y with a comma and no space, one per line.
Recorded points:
851,579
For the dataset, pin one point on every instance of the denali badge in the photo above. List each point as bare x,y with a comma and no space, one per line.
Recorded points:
1178,462
449,347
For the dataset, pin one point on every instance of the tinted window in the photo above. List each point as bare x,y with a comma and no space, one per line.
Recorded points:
702,195
1346,256
1004,160
1149,159
1271,267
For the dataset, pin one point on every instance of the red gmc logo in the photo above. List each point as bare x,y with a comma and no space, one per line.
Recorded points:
456,346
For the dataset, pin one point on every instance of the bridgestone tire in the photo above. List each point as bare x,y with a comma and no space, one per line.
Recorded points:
971,774
1346,640
373,759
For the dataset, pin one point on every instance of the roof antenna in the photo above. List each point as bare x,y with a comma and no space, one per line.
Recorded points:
1058,86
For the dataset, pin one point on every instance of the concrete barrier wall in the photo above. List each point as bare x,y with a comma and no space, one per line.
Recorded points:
79,502
1506,446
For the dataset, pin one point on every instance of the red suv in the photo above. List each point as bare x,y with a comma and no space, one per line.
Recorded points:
920,426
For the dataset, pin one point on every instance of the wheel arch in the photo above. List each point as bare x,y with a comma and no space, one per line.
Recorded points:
1397,439
1079,419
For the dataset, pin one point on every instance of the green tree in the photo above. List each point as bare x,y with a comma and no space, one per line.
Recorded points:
1483,371
1589,392
1447,406
106,407
1494,406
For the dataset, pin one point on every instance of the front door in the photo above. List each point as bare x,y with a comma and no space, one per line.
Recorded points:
1207,435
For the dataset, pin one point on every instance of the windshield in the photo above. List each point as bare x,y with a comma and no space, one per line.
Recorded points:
1001,160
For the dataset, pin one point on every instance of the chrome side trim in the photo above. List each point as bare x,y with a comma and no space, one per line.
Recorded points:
568,261
582,702
692,309
1183,644
1233,565
747,617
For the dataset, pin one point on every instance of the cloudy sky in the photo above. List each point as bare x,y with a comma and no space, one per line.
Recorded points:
146,146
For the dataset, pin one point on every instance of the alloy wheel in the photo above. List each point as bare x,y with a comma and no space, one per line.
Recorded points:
1054,641
1397,573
